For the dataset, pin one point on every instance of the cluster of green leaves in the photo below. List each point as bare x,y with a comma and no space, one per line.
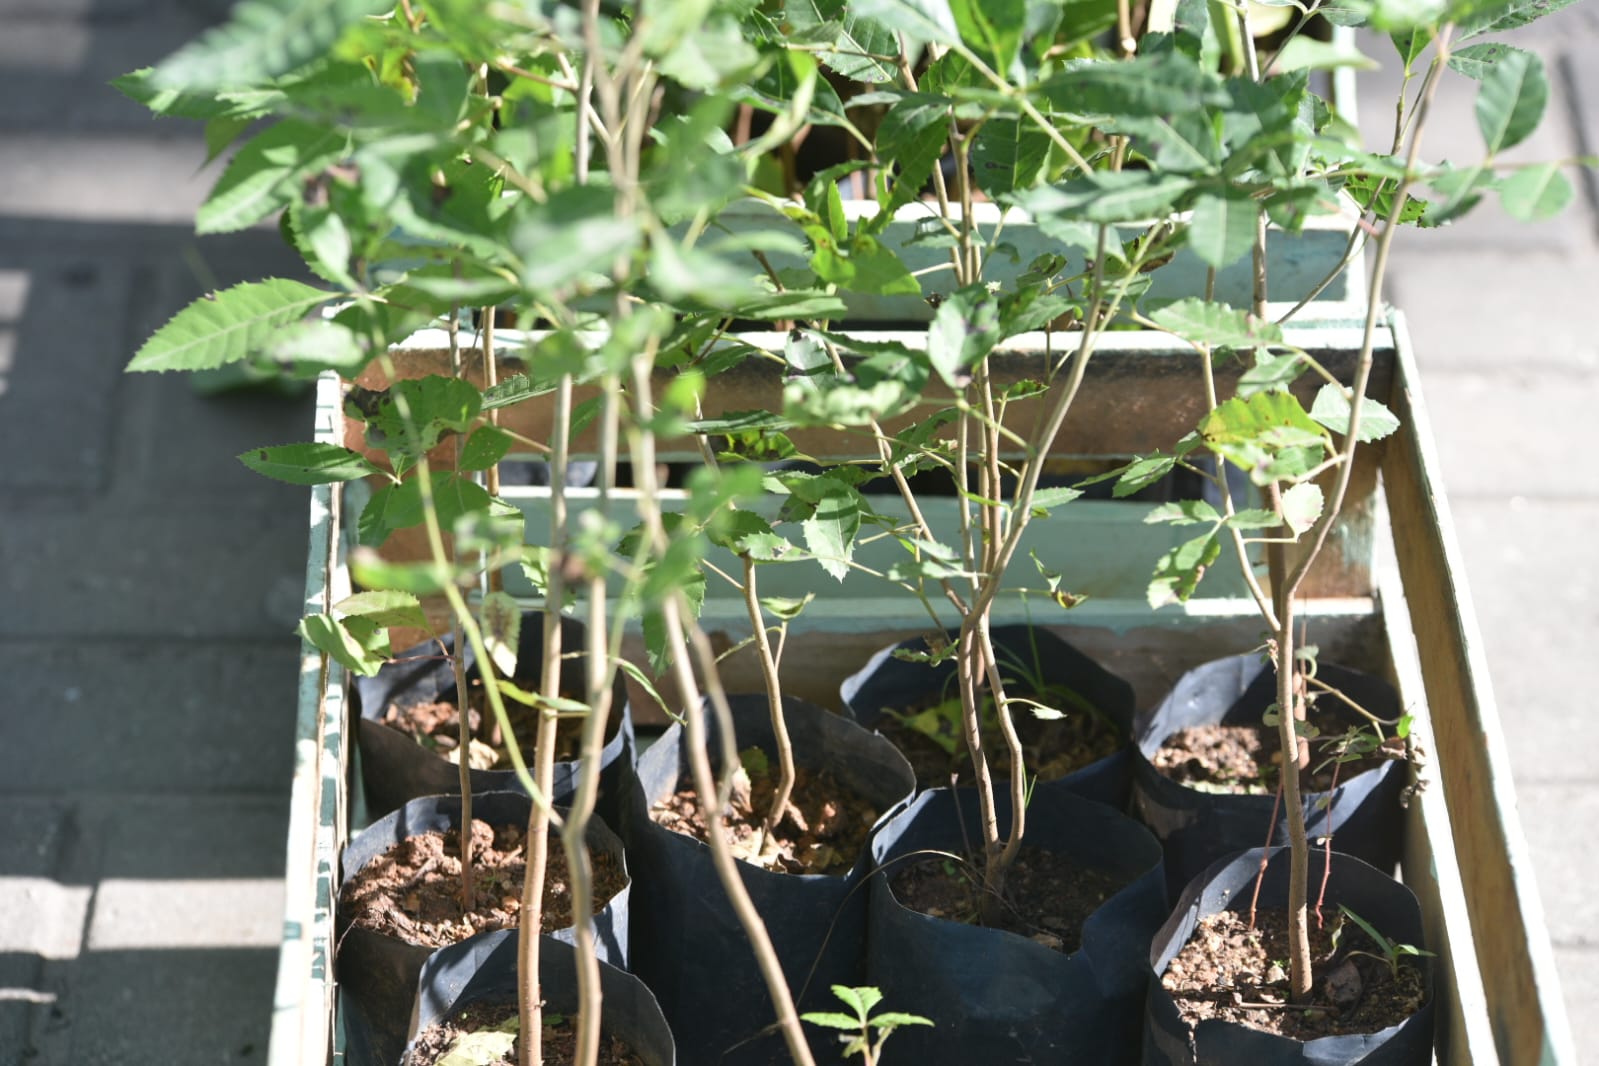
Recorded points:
422,160
864,1033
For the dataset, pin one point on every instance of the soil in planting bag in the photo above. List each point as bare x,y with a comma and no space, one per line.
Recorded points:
1029,656
1198,827
483,970
396,767
1000,997
1229,884
379,972
688,945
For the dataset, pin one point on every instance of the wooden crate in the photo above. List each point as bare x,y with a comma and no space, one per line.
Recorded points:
1389,597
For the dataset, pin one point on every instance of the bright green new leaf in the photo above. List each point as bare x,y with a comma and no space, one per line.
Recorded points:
992,28
1511,101
501,620
228,326
786,608
1535,193
921,21
1270,372
328,634
309,464
1223,227
1268,434
1216,324
1307,53
832,1020
1302,506
262,39
384,607
1184,513
861,999
1331,409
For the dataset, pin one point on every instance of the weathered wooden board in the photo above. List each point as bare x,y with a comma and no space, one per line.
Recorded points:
1523,1002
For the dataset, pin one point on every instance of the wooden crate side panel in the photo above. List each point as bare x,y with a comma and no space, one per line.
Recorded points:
1430,864
1507,924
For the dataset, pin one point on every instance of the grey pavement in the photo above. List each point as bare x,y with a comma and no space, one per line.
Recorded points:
150,584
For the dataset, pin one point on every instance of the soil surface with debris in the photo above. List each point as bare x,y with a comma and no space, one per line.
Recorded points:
1051,748
491,1026
1234,973
436,726
823,832
412,892
1244,759
1047,895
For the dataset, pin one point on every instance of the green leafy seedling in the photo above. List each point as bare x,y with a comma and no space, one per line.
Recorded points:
1392,952
864,1033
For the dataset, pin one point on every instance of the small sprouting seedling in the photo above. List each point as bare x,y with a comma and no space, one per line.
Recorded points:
1392,952
864,1032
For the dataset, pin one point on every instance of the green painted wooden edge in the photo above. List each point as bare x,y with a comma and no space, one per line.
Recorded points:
303,999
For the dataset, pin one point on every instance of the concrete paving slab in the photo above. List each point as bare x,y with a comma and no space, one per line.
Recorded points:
1579,984
1493,311
33,836
1562,826
1514,432
200,837
53,175
191,572
60,380
147,717
1531,570
160,1008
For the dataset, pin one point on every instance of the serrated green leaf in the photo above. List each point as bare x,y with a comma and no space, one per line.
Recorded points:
1056,496
964,330
1223,227
1253,518
1179,570
1270,372
1535,193
1183,513
1216,324
1476,17
501,620
855,42
372,571
486,446
1268,434
433,405
832,1020
992,28
893,1019
262,39
328,634
1008,154
1109,196
384,607
1511,100
833,522
1476,60
266,173
309,464
1331,409
1307,53
1302,506
1153,86
862,999
228,326
921,21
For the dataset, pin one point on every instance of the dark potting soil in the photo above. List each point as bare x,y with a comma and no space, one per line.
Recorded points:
412,892
1231,972
1047,896
1051,748
560,1038
1244,759
823,832
436,726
